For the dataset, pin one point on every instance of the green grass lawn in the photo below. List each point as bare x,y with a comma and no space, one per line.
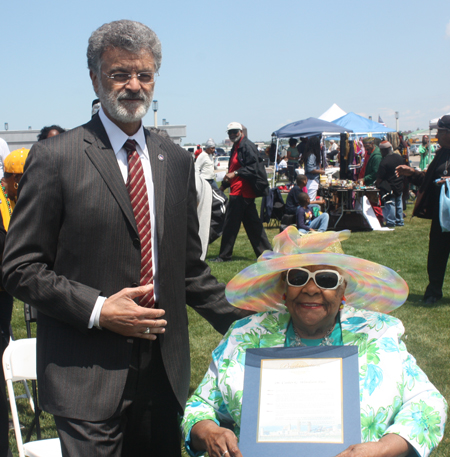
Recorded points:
404,250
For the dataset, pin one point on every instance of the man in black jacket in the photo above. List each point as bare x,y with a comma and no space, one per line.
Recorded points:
390,185
247,179
428,205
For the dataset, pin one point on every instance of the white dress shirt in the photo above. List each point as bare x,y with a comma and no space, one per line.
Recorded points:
117,138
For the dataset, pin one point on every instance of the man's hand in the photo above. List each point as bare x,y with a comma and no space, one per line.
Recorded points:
229,176
122,315
404,170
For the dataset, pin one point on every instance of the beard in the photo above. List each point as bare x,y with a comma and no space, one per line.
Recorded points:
237,138
118,107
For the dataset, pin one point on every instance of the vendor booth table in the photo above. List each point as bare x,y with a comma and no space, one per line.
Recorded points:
348,204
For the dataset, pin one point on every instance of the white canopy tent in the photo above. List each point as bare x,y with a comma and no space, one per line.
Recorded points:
332,113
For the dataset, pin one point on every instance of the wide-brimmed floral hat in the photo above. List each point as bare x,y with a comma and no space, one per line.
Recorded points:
260,286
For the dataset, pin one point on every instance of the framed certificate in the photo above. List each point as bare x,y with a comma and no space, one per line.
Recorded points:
300,401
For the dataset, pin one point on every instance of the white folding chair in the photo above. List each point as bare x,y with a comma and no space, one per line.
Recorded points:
19,363
27,393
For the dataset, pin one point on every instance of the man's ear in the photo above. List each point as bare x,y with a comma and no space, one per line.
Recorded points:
95,81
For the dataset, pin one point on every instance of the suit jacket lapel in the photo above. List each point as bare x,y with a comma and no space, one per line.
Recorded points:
158,161
100,152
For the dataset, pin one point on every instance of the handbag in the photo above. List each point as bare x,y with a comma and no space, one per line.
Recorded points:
444,207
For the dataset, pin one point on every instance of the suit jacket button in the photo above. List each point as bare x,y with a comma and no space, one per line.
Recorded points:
135,284
137,243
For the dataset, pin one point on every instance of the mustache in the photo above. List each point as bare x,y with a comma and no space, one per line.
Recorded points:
132,96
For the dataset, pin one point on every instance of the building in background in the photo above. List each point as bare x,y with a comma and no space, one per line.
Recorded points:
17,139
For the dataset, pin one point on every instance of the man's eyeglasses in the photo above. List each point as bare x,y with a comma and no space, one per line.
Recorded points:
233,131
120,79
324,279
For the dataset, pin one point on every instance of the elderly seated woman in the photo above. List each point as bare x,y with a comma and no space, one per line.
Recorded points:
308,293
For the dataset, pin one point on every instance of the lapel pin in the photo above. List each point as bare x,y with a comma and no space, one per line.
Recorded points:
160,157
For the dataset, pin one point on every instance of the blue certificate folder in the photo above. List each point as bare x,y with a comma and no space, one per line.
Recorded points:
250,406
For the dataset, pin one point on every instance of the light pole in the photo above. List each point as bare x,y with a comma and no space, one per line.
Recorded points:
6,126
396,121
155,110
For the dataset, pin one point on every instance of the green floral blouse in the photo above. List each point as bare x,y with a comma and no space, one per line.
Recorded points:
396,395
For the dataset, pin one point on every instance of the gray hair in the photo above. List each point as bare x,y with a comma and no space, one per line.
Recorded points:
124,34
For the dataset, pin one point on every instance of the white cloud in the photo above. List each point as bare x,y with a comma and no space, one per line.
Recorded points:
447,30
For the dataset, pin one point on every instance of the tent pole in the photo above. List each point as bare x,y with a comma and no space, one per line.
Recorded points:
275,165
429,145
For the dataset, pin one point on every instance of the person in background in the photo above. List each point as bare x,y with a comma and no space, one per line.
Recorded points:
301,147
313,169
95,107
242,175
390,185
292,157
292,202
333,146
282,167
14,164
48,132
204,165
306,220
333,152
4,152
369,170
371,162
427,206
198,151
423,151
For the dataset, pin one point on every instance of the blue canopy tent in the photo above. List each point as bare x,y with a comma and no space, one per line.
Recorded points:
360,125
309,127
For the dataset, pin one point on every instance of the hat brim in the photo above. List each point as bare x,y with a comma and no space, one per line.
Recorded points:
370,286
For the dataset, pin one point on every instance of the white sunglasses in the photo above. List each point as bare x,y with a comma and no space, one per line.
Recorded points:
324,279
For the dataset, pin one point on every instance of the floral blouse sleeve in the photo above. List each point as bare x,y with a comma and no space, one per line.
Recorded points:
421,411
208,401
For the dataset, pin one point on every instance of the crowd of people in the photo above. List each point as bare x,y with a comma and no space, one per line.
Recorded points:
110,276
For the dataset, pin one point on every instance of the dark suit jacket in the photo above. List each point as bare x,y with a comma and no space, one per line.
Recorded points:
73,237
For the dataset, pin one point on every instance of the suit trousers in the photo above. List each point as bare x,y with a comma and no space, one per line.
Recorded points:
146,422
438,252
242,210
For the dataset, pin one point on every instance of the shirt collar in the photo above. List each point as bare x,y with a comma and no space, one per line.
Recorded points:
117,137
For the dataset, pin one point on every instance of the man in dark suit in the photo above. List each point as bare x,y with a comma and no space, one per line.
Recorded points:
103,222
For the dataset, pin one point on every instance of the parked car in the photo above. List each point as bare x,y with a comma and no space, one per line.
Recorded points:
220,152
221,163
414,149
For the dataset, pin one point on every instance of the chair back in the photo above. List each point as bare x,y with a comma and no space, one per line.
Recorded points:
19,363
19,360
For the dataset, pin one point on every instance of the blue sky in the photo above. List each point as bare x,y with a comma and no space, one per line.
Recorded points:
262,63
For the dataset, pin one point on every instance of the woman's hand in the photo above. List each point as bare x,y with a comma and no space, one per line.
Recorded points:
389,446
207,436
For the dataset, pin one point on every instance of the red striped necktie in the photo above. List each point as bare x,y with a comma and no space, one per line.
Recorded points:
137,190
